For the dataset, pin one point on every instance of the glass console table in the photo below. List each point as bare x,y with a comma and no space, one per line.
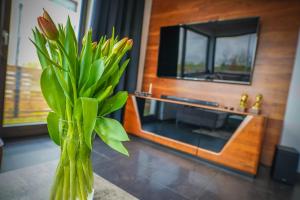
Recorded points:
200,127
229,138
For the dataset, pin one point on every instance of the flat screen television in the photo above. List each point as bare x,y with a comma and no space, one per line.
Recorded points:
218,51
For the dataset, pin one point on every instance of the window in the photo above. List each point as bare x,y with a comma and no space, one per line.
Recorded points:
23,102
195,54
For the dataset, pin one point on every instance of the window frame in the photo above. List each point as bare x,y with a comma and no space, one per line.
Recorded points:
21,130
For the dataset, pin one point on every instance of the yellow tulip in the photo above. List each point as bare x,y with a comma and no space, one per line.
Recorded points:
119,46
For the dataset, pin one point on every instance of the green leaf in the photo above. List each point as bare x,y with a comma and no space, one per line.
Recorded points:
52,91
42,52
114,103
113,40
63,84
116,145
89,114
86,60
78,110
61,32
112,133
53,52
97,53
70,46
53,127
71,33
95,74
115,80
46,56
108,71
111,128
103,94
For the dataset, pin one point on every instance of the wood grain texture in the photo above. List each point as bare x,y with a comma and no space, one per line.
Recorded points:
241,152
279,26
243,149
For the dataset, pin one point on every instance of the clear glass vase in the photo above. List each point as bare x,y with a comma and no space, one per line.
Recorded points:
74,178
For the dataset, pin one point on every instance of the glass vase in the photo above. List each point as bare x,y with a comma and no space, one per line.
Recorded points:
74,178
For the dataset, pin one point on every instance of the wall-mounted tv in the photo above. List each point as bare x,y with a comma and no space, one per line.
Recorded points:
219,51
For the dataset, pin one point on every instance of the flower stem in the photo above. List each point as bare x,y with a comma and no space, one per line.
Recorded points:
83,193
66,186
72,180
59,190
74,175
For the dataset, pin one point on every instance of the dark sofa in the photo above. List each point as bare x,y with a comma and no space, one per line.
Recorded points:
201,117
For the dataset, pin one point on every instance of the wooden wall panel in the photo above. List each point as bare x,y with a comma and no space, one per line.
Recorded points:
279,26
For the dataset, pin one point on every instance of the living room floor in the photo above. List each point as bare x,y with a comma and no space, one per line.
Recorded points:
155,172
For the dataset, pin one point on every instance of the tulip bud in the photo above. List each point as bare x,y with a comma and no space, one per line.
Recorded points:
86,36
105,47
48,28
47,16
94,45
129,44
84,39
118,47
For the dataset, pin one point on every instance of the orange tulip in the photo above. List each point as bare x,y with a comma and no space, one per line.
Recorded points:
47,26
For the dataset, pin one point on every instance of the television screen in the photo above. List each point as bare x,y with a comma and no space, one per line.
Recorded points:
220,51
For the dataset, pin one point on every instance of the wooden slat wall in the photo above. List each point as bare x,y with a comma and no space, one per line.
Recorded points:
32,106
280,22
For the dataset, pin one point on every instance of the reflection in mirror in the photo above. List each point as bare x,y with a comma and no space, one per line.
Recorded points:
204,128
194,64
233,58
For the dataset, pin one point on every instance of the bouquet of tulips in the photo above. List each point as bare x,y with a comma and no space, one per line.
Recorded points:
78,87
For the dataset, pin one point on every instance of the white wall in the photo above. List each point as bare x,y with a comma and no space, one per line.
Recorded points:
144,41
31,10
291,129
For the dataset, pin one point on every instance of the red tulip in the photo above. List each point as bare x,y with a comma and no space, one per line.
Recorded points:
47,16
47,26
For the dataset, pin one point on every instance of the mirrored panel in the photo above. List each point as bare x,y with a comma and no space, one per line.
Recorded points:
204,128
